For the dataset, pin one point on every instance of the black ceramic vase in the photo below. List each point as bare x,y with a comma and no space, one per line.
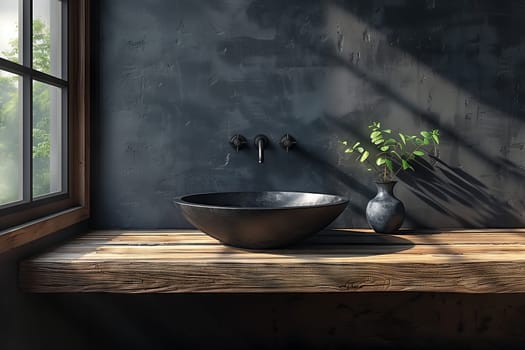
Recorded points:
385,213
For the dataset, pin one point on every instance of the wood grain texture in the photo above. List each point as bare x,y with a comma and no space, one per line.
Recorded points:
185,261
33,230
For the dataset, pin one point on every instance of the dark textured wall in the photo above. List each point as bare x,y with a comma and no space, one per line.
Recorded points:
177,79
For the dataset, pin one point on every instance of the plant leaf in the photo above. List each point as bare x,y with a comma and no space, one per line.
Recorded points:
344,143
356,144
403,139
390,142
360,149
378,141
349,150
419,153
396,154
374,125
425,134
389,164
388,131
405,165
375,134
380,161
384,148
435,138
364,156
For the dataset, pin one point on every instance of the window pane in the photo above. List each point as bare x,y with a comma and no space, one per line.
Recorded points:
47,36
10,138
9,30
47,139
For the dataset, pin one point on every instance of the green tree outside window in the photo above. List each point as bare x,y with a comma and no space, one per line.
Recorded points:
9,121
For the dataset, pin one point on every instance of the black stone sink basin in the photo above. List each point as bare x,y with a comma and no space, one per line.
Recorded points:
260,220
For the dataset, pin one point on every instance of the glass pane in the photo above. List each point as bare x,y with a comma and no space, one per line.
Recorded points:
47,36
10,138
9,30
47,139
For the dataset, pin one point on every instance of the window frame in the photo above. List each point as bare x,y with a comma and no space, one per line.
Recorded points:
21,224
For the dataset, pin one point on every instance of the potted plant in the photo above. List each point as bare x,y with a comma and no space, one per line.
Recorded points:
387,154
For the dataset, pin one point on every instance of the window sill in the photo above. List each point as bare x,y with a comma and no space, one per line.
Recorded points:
185,261
19,235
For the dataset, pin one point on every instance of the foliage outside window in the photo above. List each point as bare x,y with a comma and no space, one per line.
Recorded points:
33,84
10,175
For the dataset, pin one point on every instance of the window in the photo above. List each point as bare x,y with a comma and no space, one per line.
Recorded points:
33,112
44,109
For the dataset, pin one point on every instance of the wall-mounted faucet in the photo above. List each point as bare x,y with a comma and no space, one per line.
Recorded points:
288,142
261,141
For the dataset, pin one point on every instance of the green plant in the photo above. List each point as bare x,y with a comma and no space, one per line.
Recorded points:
387,154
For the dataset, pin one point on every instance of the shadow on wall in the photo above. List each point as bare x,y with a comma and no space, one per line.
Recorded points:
443,187
463,41
471,51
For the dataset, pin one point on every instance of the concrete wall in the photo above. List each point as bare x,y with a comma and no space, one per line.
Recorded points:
176,79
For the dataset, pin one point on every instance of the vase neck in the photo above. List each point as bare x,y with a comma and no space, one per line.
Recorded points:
384,188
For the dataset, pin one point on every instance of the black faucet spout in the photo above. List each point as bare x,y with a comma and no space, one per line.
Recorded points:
261,141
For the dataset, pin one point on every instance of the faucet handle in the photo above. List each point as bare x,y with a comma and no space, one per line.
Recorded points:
261,138
288,142
238,141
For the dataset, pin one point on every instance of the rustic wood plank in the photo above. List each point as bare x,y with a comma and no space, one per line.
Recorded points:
508,236
321,260
182,261
129,251
20,235
166,277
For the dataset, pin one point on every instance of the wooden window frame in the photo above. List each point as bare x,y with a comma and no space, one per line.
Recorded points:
39,220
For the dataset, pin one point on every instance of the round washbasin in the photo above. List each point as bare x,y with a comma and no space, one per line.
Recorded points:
259,220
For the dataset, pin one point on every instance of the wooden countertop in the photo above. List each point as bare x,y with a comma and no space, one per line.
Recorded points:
186,261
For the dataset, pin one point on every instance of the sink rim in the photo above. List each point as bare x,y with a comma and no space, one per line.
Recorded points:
181,200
